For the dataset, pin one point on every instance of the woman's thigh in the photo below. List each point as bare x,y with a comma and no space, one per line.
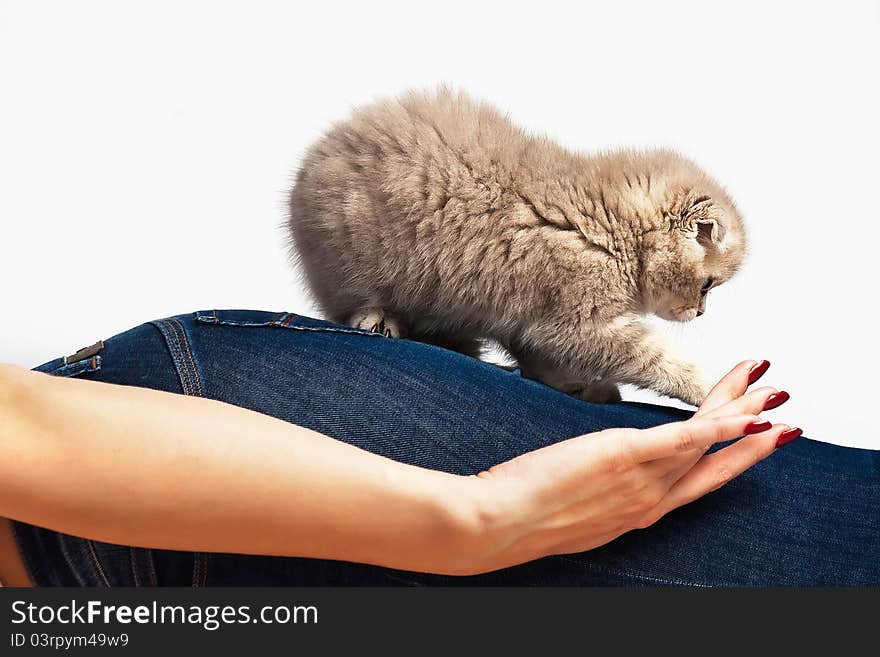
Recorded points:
806,515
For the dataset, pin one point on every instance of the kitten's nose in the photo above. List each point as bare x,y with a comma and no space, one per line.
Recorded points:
699,312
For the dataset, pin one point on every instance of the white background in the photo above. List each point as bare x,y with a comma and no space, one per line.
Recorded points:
145,150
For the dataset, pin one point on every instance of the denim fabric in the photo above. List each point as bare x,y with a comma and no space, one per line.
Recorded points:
808,515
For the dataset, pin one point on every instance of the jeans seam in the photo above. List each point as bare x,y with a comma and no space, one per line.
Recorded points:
135,573
331,329
280,320
200,569
63,540
142,567
187,352
171,341
154,578
623,573
181,354
93,555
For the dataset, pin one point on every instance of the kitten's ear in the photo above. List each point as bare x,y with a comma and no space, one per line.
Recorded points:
709,231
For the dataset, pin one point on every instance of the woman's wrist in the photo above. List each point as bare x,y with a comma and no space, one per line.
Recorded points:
446,534
487,525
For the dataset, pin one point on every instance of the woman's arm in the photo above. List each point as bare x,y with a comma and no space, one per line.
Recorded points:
141,467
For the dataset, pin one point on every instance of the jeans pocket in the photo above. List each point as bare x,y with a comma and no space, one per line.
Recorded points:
266,319
87,359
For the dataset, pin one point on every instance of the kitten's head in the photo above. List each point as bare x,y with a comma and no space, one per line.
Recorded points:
700,244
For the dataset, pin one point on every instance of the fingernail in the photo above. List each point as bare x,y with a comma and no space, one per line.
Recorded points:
758,370
787,436
776,399
756,427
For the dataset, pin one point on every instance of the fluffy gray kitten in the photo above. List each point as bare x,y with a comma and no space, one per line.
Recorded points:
433,217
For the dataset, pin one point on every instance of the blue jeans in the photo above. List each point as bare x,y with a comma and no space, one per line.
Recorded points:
808,515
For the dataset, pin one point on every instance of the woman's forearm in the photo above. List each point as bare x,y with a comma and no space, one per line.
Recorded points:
141,467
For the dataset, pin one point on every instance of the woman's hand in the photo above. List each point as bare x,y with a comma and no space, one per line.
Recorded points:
584,492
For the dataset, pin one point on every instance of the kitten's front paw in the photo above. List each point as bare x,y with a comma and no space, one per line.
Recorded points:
376,320
696,391
601,392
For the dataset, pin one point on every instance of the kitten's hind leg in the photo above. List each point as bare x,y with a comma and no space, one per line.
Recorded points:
463,343
535,366
377,321
603,391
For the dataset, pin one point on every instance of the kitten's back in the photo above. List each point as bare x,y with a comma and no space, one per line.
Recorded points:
384,197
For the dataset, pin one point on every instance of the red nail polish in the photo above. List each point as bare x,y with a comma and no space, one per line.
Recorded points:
787,436
756,427
776,399
758,370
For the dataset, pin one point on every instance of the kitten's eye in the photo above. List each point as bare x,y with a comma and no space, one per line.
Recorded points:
707,285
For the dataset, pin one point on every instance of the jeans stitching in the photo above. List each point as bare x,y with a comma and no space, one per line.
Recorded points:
183,369
622,573
282,320
142,567
185,348
135,573
69,559
154,578
331,329
200,569
90,548
171,342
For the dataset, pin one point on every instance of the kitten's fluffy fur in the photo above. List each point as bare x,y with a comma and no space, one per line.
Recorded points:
434,218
